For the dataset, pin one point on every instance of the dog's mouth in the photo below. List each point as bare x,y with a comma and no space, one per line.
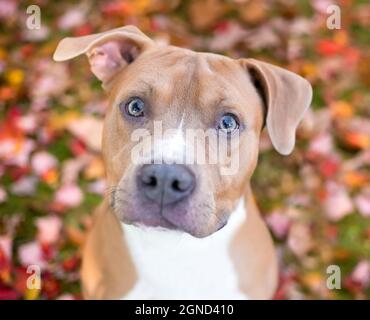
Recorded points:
195,216
144,215
156,221
159,221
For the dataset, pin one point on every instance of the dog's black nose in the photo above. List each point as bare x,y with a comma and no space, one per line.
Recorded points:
166,183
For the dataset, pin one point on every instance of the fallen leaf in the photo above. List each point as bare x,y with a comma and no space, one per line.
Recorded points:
31,254
299,239
48,229
89,130
69,195
337,203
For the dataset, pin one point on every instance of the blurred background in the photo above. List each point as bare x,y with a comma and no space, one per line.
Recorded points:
316,201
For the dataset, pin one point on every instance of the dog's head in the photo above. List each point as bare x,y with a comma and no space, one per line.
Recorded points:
162,95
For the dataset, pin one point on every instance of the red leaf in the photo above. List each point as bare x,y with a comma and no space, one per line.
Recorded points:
328,48
328,167
8,294
77,147
50,286
83,30
70,263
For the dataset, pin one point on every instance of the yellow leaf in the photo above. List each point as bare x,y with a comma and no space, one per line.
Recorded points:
309,70
60,121
32,294
141,6
312,279
15,77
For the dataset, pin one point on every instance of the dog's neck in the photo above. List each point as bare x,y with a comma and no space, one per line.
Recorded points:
179,266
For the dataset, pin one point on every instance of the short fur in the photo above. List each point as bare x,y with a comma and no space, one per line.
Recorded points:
184,89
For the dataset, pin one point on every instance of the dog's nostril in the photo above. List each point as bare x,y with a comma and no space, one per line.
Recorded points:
150,181
180,186
176,185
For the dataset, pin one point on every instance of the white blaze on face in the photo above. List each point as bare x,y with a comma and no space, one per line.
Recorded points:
169,146
161,146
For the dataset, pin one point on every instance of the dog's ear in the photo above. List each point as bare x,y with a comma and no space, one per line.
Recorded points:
108,52
286,95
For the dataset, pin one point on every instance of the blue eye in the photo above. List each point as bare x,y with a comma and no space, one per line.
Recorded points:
228,123
134,108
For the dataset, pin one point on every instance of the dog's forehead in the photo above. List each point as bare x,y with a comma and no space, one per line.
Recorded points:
200,78
191,63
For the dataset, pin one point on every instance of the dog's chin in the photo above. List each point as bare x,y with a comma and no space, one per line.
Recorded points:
157,222
161,222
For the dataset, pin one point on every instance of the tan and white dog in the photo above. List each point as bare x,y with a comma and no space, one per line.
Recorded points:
183,231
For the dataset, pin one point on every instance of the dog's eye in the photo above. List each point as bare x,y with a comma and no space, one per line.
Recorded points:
228,123
134,107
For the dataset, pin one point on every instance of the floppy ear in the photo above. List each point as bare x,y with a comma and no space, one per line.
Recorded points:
287,96
108,52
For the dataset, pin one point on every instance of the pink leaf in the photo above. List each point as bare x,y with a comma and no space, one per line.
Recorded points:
72,18
299,239
361,273
66,296
69,195
322,144
25,186
89,130
362,202
48,229
43,162
31,254
98,187
8,8
337,204
279,224
6,246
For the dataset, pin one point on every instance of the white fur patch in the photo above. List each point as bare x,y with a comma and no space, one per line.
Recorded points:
171,147
175,265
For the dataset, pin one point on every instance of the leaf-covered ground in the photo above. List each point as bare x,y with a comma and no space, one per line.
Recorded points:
316,201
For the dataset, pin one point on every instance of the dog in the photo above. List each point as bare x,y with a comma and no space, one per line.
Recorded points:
182,231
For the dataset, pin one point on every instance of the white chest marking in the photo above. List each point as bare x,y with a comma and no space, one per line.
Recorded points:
175,265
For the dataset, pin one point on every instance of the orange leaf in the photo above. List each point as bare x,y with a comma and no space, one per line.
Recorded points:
355,179
95,169
357,140
329,48
50,177
341,109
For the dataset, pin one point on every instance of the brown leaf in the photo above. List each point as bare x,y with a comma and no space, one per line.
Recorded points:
205,13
